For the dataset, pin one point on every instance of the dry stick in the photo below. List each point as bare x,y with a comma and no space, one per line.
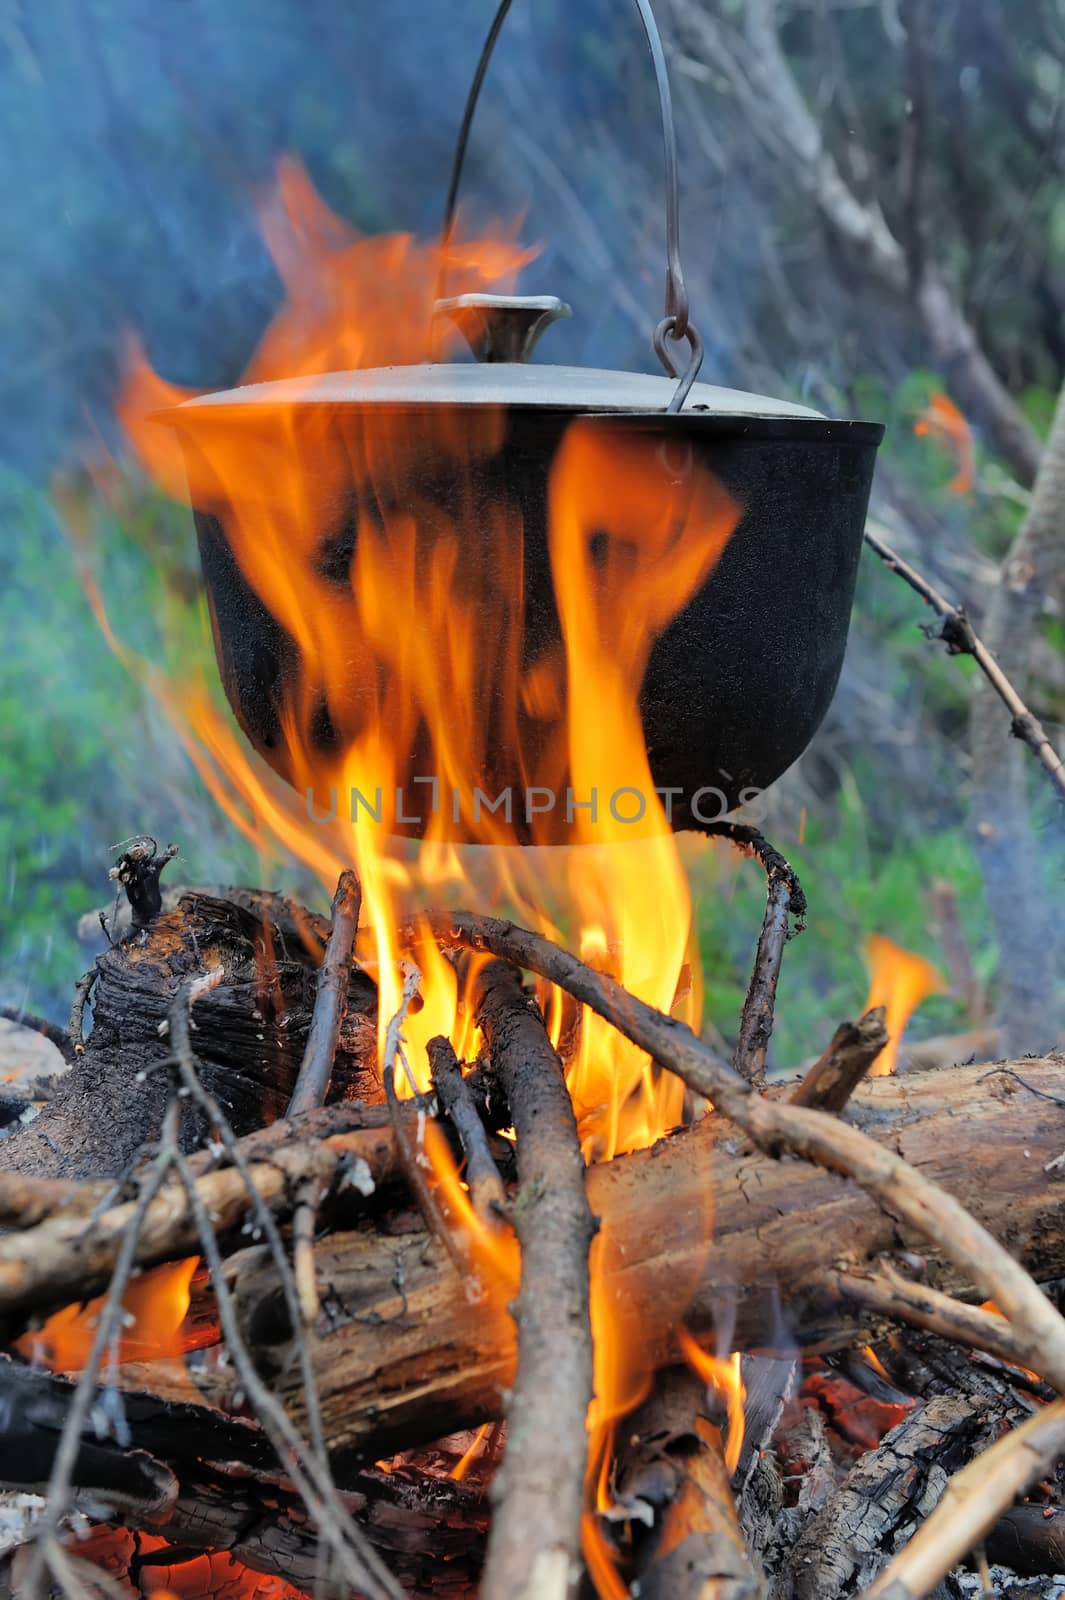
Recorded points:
535,1536
76,1026
775,1127
487,1194
960,639
851,1051
784,899
330,1003
304,1218
413,1160
974,1500
887,1293
66,1256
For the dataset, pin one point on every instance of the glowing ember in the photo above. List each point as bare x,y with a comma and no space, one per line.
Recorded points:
899,981
943,422
154,1307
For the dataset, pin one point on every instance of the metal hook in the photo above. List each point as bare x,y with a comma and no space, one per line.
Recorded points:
676,321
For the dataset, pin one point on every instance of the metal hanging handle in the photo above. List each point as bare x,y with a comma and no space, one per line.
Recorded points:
676,322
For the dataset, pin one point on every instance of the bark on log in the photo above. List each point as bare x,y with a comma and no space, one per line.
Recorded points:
404,1356
250,1033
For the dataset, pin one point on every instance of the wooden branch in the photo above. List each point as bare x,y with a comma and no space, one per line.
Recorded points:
331,1000
972,1504
907,1193
672,1460
960,638
886,1293
487,1194
534,1543
784,900
851,1051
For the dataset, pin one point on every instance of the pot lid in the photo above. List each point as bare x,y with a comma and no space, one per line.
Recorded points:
511,384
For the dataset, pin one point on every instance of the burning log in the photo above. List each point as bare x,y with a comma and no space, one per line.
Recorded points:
890,1488
674,1464
776,1127
401,1354
778,1231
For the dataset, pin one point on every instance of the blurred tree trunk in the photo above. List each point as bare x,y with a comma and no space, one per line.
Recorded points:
768,93
1006,845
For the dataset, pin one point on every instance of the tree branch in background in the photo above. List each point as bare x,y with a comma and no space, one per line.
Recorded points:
769,96
960,639
912,162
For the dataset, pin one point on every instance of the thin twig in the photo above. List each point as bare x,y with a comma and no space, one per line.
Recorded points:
974,1500
487,1194
776,1127
851,1051
887,1293
413,1159
958,635
534,1543
76,1026
330,1003
784,899
304,1221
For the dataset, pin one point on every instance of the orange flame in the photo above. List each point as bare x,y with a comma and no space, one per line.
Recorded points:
943,422
411,651
725,1378
154,1307
899,981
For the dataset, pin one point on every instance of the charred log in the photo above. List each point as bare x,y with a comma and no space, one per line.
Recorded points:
250,1033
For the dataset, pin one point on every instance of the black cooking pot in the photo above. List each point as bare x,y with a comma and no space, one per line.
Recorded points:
737,683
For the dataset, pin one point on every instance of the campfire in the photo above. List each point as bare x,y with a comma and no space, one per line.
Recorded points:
426,1247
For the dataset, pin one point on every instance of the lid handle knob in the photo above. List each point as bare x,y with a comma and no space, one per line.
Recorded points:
502,327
